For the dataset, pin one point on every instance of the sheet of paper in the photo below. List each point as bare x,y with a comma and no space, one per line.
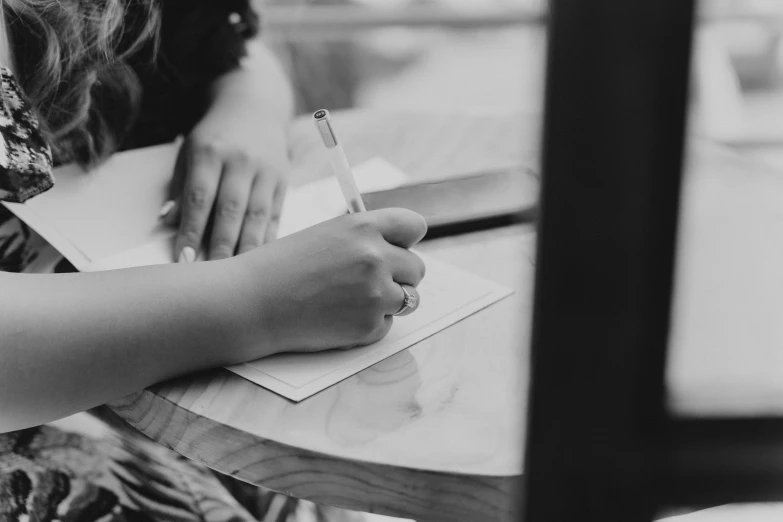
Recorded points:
108,218
320,200
448,295
114,208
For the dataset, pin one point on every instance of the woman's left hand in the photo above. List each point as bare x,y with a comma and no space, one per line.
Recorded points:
230,179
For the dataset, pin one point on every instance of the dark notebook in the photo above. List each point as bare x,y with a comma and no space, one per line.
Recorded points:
466,203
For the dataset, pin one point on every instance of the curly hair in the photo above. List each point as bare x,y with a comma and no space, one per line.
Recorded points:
70,61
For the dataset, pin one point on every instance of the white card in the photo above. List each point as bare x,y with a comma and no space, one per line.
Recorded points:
448,295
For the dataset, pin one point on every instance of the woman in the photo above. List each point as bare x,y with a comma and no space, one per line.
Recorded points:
73,75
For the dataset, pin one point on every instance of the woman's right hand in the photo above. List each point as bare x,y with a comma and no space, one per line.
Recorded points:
334,285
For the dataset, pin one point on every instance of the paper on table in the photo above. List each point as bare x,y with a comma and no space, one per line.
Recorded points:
448,295
318,201
108,218
114,208
304,207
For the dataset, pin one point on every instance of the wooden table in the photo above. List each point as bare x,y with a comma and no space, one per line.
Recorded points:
432,433
435,432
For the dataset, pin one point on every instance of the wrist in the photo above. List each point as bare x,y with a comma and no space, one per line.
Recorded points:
248,318
259,81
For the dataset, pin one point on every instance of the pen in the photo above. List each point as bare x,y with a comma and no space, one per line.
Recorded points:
338,161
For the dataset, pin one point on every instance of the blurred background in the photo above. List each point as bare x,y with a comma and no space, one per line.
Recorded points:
488,55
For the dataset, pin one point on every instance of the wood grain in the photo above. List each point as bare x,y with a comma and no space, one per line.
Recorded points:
432,433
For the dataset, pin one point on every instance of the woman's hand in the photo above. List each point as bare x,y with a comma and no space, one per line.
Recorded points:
334,285
230,179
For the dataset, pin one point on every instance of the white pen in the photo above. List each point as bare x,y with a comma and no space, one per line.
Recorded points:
340,166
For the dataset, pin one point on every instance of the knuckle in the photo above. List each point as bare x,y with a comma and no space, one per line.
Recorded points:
239,157
213,147
197,198
368,325
364,226
370,261
256,213
203,146
222,248
382,328
375,298
229,209
191,235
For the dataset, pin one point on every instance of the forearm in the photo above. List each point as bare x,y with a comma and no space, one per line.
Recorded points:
260,83
73,341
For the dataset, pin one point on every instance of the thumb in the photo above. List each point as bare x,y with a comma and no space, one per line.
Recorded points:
398,226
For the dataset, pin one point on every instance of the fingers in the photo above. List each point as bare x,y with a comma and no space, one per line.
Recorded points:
257,215
171,210
201,186
405,266
376,335
231,210
400,227
277,208
177,184
381,331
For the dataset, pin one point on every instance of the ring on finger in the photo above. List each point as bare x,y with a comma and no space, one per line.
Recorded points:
410,302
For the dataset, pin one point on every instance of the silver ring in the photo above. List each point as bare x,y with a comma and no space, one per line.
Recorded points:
411,301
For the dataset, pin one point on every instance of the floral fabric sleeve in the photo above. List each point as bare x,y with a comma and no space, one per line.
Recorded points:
25,156
25,171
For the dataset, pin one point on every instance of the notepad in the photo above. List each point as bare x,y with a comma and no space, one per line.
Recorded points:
108,219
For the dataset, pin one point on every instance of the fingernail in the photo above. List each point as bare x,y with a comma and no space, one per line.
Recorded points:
166,208
188,255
